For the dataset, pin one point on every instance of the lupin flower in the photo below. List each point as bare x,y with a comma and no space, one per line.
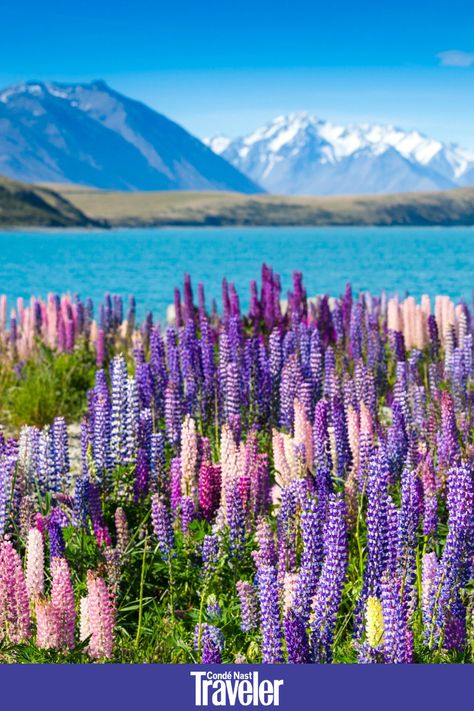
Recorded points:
271,627
121,529
296,637
35,564
62,604
14,605
397,636
210,641
188,513
248,605
445,609
329,589
162,526
98,618
266,553
56,539
209,489
235,517
311,558
374,625
210,553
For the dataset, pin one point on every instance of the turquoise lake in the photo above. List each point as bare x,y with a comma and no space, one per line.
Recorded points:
150,262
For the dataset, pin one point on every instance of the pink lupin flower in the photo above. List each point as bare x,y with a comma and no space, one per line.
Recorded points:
14,605
46,627
3,312
84,631
62,600
35,564
100,348
100,618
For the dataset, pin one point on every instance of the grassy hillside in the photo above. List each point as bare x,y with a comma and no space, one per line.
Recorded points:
454,207
23,205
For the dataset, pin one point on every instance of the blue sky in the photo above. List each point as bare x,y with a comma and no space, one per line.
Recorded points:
231,66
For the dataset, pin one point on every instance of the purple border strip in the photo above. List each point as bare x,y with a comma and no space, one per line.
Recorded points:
172,687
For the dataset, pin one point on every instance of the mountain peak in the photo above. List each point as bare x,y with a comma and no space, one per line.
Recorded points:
299,153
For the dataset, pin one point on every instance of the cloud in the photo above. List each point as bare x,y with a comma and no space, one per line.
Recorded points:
456,58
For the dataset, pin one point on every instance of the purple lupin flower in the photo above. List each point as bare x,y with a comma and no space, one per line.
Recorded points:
142,475
397,642
188,513
56,540
430,501
173,414
158,370
331,581
97,519
410,516
296,638
60,446
286,530
248,605
159,482
448,446
311,559
235,518
101,427
288,390
397,443
80,509
445,610
269,615
162,526
343,450
210,641
210,553
377,528
434,336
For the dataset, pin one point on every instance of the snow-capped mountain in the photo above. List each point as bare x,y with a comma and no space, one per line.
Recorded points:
300,154
92,135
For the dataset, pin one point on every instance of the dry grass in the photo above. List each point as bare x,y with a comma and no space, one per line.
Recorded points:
454,207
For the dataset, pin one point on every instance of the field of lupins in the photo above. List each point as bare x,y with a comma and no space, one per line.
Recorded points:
294,484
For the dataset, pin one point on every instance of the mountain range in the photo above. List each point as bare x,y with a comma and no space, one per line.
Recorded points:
91,135
301,154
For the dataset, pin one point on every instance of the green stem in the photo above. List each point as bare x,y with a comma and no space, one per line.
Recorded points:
201,612
140,602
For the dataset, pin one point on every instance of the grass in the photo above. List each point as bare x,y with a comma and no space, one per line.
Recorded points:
46,386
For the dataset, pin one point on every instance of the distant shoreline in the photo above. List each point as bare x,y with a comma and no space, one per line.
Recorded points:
24,206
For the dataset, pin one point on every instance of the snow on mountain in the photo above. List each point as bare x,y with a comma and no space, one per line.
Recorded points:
302,154
92,135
